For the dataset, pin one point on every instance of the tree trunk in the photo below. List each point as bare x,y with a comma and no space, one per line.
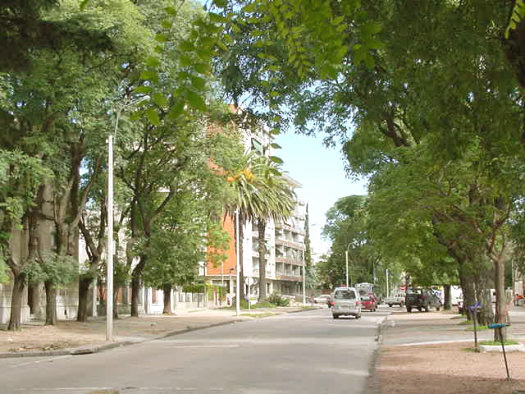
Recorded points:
16,301
261,228
51,303
501,310
115,302
83,293
241,258
136,277
448,297
167,299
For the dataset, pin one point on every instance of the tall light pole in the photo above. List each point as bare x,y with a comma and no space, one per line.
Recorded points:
304,281
110,251
238,288
109,274
346,259
387,293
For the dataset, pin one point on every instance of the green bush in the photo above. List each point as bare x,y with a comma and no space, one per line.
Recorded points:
278,300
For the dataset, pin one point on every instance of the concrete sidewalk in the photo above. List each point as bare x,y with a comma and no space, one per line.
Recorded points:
71,337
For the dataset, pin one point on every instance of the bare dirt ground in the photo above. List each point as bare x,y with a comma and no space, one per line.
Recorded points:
446,367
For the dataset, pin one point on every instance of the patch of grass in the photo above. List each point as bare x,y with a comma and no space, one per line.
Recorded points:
497,343
259,315
479,328
465,323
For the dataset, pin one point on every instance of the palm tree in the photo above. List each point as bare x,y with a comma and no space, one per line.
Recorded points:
275,199
261,193
243,183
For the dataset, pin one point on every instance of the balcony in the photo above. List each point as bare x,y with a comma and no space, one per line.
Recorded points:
288,278
290,244
288,260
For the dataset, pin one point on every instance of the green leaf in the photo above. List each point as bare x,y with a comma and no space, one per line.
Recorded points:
166,24
186,46
198,82
276,159
374,43
170,10
176,110
371,28
143,89
160,99
153,116
84,4
220,3
217,18
149,75
196,100
152,61
202,68
275,145
161,37
185,61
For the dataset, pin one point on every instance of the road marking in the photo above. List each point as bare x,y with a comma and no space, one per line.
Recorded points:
118,390
49,360
206,346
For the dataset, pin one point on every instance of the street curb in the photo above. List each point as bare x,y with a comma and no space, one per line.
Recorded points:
373,385
90,349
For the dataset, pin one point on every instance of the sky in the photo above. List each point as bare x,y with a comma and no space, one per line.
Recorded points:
321,172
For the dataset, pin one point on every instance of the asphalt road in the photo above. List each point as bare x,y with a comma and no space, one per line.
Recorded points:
306,352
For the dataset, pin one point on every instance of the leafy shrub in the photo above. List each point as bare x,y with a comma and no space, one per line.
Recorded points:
278,300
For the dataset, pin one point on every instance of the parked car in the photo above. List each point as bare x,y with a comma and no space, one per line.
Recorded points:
322,299
397,298
369,303
345,301
422,299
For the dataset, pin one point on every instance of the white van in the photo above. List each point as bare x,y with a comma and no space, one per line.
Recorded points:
346,301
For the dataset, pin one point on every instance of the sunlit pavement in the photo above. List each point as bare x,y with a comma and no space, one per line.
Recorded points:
307,352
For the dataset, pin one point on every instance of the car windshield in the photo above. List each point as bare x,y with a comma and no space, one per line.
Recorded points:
365,298
344,295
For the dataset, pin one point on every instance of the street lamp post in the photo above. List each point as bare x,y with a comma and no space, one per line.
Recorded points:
346,259
304,281
238,287
109,274
110,246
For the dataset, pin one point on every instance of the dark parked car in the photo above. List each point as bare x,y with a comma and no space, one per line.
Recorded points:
422,299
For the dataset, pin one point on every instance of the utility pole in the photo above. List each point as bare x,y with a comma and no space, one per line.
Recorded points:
387,292
238,289
304,281
109,274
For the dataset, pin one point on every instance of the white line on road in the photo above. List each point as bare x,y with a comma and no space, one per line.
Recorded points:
49,360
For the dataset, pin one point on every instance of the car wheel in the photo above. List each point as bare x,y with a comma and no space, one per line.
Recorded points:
390,305
409,310
427,308
335,316
438,308
419,309
358,316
